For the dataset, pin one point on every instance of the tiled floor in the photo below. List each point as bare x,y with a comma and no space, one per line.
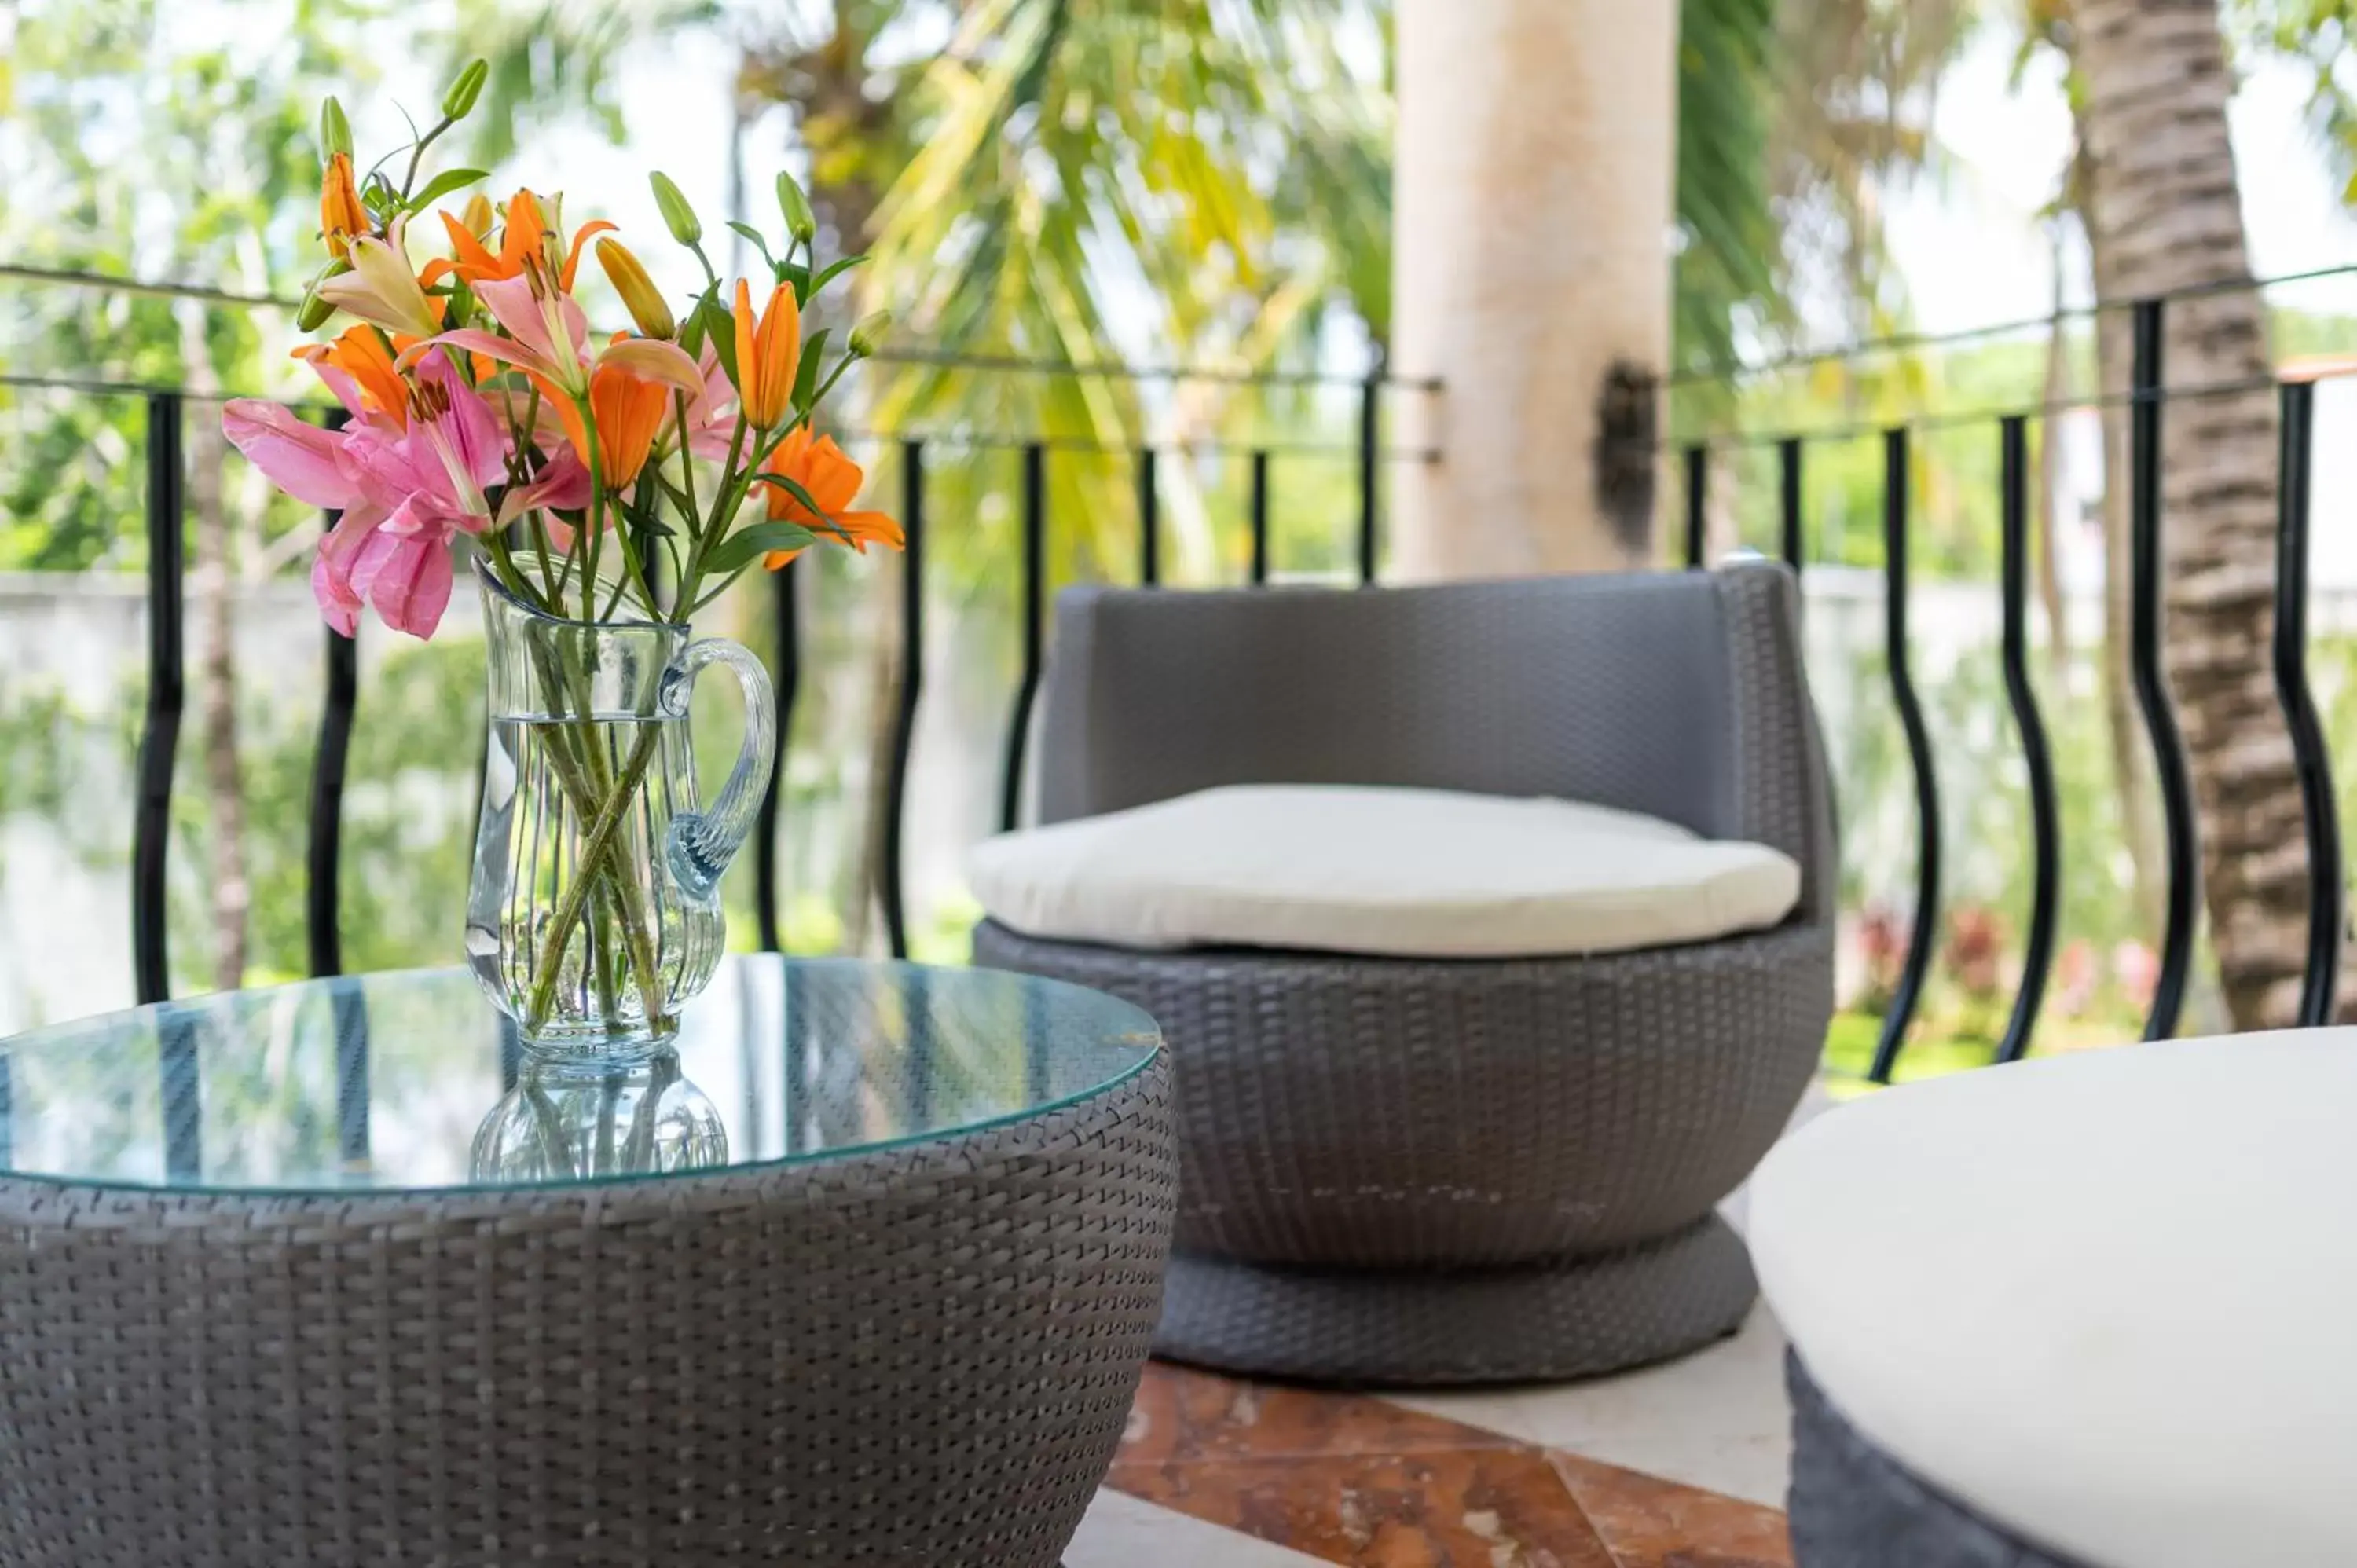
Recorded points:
1680,1466
1214,1471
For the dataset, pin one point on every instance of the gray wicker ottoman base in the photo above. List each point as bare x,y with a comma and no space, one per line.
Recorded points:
1410,1173
1854,1506
1575,1319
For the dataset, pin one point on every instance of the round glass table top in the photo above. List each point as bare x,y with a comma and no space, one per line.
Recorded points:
411,1080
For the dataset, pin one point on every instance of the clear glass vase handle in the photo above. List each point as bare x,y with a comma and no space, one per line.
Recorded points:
703,843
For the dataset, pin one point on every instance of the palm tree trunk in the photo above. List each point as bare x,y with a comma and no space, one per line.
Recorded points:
1533,184
2168,217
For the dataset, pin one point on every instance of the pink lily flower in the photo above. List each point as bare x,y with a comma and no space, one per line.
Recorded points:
563,482
423,488
299,458
404,569
545,333
315,466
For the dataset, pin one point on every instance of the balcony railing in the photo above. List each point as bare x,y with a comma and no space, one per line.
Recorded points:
167,410
2009,428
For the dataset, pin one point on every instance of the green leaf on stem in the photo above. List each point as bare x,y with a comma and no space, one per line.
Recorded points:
833,270
692,326
443,184
798,276
721,327
758,243
739,548
806,374
810,503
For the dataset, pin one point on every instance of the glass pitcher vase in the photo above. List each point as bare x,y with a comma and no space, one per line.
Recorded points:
594,911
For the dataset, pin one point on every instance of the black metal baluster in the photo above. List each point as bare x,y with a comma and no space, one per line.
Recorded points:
349,1006
1926,925
2327,894
1371,435
1259,519
159,738
2144,667
894,893
1788,490
1035,586
2046,842
924,1044
323,857
785,630
794,1074
176,1064
1149,521
1698,500
1037,1082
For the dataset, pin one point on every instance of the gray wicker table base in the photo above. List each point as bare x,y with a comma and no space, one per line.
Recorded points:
920,1357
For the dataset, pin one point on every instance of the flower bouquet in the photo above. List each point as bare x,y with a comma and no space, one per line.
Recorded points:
604,487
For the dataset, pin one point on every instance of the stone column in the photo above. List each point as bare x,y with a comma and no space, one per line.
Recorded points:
1531,212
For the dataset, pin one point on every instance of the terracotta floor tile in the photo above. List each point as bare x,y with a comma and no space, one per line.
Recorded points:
1652,1523
1183,1415
1465,1508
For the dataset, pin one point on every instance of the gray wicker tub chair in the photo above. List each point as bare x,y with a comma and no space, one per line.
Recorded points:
1405,1172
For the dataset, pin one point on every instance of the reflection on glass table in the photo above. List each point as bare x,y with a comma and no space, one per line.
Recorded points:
411,1080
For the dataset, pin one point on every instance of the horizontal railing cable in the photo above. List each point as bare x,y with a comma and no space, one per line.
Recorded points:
1922,423
955,440
931,359
1909,342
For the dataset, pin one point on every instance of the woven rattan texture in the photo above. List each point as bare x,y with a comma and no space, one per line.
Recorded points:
1398,1115
1387,1114
1356,1326
1854,1506
921,1357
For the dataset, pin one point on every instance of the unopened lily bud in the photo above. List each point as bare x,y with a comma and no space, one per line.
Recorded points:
335,130
677,214
465,90
867,334
342,214
640,295
314,311
476,216
800,222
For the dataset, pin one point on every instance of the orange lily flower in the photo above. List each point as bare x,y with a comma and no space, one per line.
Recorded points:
360,356
525,235
628,410
768,353
826,473
341,215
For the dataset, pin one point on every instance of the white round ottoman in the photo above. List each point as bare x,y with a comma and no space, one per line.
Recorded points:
2099,1310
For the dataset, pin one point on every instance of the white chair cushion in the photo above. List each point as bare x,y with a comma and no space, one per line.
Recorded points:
2109,1300
1409,873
